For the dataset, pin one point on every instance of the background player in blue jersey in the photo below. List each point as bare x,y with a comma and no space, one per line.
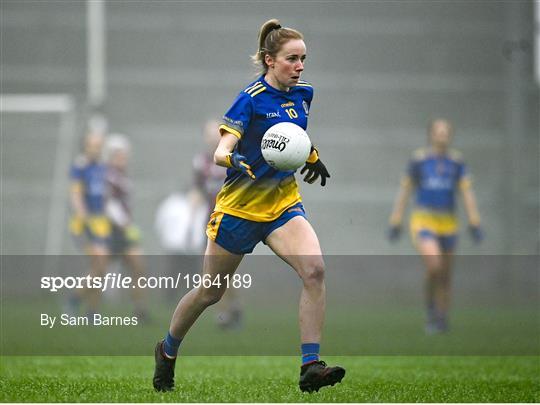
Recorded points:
258,203
436,173
89,225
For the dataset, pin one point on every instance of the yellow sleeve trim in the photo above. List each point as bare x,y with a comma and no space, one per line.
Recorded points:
465,183
313,156
420,154
406,181
77,187
224,128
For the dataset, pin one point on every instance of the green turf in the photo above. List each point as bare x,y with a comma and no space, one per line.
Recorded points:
271,379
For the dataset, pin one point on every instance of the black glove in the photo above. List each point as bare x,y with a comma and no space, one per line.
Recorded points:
394,233
315,168
477,234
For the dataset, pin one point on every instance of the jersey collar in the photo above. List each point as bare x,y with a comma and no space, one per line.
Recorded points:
271,88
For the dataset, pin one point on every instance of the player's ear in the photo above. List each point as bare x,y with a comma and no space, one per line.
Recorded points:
269,60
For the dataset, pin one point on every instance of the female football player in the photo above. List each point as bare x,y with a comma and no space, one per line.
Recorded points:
207,182
436,173
125,235
258,203
89,225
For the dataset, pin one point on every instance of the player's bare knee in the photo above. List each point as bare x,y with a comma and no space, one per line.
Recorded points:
98,251
210,296
313,272
435,267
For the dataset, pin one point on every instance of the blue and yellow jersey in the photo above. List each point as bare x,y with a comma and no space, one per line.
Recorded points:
436,179
89,177
258,107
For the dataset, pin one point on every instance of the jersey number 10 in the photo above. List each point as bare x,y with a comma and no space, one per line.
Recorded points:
291,113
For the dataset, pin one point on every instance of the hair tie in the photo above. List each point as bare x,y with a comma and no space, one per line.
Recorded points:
262,50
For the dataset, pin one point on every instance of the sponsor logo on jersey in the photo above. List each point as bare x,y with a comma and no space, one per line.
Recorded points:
306,108
274,114
288,104
234,123
436,183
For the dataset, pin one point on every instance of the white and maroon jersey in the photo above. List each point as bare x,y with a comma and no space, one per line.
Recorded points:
119,187
208,177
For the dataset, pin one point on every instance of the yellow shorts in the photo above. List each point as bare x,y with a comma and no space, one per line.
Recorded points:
440,225
95,228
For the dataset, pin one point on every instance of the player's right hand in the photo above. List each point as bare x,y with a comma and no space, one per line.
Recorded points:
394,233
238,162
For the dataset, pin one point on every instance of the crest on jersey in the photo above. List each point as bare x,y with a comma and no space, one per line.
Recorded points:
306,108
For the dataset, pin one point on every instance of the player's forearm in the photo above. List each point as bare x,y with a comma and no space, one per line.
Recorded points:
401,203
226,146
77,199
220,157
471,207
77,205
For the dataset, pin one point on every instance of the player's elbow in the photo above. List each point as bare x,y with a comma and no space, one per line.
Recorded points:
216,157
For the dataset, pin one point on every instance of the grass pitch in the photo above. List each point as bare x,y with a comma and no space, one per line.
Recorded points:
271,379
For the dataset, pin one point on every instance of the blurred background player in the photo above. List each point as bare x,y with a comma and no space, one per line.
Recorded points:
124,241
208,179
89,224
181,221
436,173
178,225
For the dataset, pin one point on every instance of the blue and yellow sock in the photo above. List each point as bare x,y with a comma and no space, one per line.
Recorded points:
310,352
171,345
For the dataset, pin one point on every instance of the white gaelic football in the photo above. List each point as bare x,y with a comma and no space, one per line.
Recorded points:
285,146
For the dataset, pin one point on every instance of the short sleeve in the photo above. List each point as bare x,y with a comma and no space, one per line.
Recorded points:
306,91
76,170
309,95
76,175
237,118
412,172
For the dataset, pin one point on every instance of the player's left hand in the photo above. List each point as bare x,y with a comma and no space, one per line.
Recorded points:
315,168
394,233
239,162
476,232
133,233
